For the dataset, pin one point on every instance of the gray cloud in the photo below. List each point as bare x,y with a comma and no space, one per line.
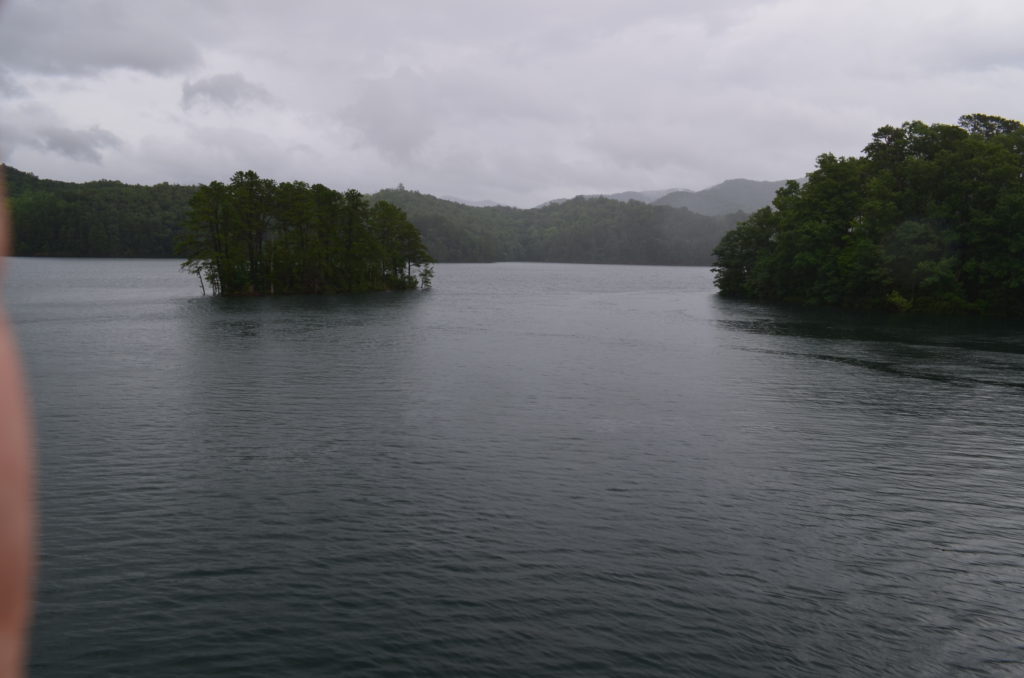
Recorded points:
9,86
94,35
227,89
395,115
47,133
83,145
518,101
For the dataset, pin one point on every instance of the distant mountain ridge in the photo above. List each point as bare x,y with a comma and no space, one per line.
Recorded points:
109,218
583,229
645,196
471,203
729,197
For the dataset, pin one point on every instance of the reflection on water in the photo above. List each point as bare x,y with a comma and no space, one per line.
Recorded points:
953,350
531,469
964,332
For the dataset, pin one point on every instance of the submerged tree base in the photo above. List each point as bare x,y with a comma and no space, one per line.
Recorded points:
422,281
254,237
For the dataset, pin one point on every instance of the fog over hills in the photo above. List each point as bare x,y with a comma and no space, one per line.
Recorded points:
584,229
470,203
645,196
728,197
511,101
109,218
734,195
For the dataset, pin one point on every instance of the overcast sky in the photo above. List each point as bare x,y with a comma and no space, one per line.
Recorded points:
518,102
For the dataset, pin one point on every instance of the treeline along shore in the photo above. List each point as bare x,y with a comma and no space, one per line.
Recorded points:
930,218
113,219
96,218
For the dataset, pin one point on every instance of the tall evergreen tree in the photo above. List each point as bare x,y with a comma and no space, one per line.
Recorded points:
254,236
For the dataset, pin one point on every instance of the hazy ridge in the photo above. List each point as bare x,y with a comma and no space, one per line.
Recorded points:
114,219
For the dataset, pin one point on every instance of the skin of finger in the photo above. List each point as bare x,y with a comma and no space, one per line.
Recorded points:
17,494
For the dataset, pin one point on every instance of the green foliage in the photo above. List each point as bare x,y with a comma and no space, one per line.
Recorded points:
108,219
581,230
94,219
255,237
930,218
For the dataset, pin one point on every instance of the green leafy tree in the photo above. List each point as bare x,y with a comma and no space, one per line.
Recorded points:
97,218
108,218
210,244
254,236
930,218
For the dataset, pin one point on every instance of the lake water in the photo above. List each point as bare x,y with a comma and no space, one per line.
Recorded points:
529,470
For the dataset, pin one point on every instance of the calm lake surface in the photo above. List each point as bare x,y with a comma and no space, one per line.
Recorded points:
530,470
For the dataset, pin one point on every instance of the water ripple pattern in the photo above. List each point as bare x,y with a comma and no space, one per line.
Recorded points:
529,470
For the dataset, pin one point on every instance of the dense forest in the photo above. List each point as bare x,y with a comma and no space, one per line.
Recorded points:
582,230
930,218
95,219
257,236
112,219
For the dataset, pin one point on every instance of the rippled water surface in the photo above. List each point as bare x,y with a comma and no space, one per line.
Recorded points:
530,470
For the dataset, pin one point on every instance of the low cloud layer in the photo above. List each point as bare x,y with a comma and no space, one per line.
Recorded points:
9,87
516,102
40,130
226,89
85,145
90,36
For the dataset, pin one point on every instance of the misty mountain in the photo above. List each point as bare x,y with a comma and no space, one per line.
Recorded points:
580,230
734,195
471,203
110,218
624,196
728,197
644,196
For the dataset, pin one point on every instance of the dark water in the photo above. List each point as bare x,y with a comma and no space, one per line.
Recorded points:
531,470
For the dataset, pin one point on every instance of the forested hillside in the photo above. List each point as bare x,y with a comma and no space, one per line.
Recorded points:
95,219
930,218
727,198
112,219
581,230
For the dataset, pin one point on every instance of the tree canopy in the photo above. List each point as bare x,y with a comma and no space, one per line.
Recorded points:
584,229
96,218
112,219
253,236
930,218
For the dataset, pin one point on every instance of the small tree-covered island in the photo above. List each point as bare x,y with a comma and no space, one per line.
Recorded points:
929,219
254,236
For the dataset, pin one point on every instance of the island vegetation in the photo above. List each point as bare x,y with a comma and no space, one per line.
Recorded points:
112,219
930,218
254,236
